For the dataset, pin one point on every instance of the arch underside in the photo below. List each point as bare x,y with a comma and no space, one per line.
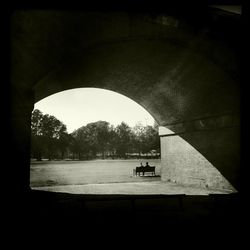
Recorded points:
185,79
182,90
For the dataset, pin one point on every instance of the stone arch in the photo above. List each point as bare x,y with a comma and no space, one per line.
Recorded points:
184,91
149,72
182,71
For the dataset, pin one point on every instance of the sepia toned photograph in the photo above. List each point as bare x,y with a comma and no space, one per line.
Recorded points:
127,116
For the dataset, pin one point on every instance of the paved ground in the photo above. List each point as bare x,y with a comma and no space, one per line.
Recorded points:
105,177
153,187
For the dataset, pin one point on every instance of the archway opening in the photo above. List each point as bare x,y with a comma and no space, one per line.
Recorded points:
89,136
85,140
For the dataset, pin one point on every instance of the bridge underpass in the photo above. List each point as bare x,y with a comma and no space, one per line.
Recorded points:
184,71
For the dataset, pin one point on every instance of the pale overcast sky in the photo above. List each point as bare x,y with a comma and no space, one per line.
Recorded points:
78,107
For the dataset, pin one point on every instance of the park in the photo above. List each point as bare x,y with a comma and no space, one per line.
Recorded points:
106,177
181,64
87,172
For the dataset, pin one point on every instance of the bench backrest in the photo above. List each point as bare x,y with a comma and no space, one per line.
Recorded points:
149,168
145,169
139,169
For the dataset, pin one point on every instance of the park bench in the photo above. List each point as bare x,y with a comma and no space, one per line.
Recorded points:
143,170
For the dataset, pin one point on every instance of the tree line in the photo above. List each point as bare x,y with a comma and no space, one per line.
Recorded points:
50,140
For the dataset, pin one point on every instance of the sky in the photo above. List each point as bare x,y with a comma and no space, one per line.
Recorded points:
78,107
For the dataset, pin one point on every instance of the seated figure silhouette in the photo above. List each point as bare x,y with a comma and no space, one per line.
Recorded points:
142,169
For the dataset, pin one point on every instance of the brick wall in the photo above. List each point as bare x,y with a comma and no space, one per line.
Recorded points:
183,164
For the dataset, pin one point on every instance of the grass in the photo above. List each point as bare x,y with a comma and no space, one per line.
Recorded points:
55,173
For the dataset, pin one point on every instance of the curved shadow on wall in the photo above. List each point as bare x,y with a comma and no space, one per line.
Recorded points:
173,83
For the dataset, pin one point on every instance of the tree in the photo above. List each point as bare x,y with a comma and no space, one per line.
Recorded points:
63,141
151,139
93,138
49,138
111,141
48,135
139,139
102,133
52,130
146,138
123,139
80,143
36,135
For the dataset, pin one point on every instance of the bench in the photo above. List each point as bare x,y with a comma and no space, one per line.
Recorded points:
143,170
